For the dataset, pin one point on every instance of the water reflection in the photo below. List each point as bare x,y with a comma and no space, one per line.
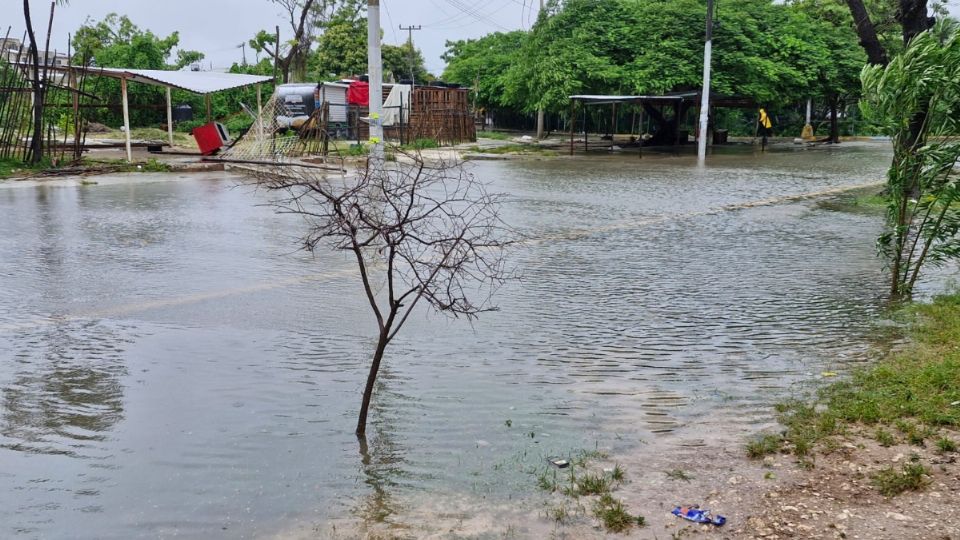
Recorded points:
66,392
382,460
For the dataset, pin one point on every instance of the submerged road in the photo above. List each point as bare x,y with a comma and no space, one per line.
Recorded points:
174,366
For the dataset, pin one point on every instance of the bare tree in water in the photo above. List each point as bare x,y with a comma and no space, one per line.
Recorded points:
421,233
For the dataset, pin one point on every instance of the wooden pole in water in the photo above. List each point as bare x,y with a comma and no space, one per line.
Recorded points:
169,118
259,117
126,117
705,91
573,122
641,130
207,99
585,136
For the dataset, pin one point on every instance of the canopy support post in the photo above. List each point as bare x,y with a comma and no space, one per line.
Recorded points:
169,118
573,122
126,117
641,131
259,114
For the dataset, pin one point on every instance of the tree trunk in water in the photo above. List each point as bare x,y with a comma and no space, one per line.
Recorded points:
867,33
36,141
371,381
834,124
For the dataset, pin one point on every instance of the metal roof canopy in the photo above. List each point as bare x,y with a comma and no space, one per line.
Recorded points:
197,82
594,99
670,97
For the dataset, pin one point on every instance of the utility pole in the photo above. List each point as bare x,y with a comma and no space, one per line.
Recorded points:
375,73
705,92
244,47
540,113
410,30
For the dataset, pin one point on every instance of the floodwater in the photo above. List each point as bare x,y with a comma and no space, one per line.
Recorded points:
173,366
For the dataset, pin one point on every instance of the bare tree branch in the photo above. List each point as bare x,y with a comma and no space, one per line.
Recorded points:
429,232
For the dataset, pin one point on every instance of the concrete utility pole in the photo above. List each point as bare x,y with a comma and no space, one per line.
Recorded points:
375,72
410,29
540,113
705,92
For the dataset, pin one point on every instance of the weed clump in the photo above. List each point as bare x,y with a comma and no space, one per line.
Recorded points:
678,474
614,516
884,437
589,484
891,482
945,444
763,446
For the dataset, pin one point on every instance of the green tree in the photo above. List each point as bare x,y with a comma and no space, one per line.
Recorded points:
342,51
307,20
37,86
116,41
403,62
483,64
186,58
923,218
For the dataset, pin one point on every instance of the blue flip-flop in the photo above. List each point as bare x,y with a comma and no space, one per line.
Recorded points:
696,515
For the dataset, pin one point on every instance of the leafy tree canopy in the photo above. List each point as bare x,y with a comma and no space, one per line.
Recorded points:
342,51
117,42
483,64
771,52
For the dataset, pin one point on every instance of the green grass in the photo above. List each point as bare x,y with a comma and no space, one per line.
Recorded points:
884,437
945,444
678,474
912,389
12,167
121,165
618,474
519,149
495,135
891,482
764,445
614,516
421,144
149,134
588,484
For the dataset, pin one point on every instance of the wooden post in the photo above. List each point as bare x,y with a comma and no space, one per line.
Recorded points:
676,125
573,122
585,143
641,130
126,117
169,118
74,85
207,99
259,117
613,123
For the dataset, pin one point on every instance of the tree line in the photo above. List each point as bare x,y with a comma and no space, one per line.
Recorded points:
774,53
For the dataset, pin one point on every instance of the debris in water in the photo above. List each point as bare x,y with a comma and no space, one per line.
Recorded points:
696,515
559,463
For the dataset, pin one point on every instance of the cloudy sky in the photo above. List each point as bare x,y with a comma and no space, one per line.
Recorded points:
217,27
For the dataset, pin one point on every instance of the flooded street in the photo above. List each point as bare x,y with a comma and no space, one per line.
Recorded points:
173,366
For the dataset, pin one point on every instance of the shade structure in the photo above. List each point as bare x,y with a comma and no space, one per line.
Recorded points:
198,82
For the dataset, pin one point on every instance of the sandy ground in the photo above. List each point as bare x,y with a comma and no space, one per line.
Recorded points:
773,498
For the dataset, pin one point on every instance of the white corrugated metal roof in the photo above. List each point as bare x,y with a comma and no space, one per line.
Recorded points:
198,82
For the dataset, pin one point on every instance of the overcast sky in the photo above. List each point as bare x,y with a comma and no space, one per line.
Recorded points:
217,27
